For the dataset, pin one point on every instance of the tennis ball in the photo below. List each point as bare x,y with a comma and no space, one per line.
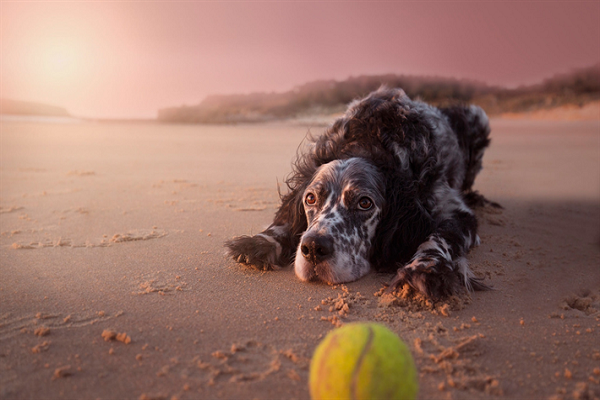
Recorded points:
362,361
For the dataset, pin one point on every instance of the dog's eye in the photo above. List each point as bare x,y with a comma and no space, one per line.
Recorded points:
310,199
365,203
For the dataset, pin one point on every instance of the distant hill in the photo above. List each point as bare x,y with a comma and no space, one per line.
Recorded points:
330,96
15,107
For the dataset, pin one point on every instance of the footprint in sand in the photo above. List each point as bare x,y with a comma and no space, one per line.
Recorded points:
80,173
586,302
248,362
42,324
131,236
455,360
160,283
11,209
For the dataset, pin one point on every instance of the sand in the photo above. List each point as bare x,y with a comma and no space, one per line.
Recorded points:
118,228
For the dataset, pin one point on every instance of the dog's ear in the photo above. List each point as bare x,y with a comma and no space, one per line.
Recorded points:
406,220
405,223
291,213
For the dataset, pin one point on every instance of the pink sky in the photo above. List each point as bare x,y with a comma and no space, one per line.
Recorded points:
128,59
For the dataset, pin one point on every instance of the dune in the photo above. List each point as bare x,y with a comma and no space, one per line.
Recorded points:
114,282
16,107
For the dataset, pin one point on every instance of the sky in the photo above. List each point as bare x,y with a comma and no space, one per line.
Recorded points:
127,59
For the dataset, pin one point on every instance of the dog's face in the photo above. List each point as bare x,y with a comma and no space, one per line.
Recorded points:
343,205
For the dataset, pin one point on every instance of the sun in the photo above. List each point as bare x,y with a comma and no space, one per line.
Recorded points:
60,61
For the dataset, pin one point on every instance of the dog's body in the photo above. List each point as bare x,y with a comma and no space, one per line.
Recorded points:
385,187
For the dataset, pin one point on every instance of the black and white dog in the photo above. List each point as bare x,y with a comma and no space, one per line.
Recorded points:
387,186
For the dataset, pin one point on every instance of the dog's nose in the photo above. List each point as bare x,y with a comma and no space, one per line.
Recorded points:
317,248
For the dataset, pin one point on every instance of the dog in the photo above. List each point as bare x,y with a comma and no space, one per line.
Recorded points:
388,186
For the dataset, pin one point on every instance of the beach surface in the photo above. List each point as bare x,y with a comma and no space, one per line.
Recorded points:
114,282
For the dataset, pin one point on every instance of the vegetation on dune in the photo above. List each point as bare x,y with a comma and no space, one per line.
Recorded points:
330,96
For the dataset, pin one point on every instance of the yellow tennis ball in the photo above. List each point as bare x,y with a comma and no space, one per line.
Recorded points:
363,361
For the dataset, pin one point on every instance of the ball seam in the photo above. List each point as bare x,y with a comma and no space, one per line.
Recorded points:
363,353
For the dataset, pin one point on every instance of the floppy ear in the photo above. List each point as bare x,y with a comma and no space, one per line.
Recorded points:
291,215
291,212
406,221
405,224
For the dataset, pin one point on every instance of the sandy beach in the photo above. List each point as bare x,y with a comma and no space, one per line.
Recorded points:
114,283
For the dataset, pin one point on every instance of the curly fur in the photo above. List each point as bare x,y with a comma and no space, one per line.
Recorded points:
415,164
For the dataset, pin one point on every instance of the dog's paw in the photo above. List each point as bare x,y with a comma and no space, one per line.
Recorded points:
256,251
432,278
474,199
436,278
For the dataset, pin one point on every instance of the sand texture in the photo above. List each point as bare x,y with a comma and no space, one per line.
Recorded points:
114,283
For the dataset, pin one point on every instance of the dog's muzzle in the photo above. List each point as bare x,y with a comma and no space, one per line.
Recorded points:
317,248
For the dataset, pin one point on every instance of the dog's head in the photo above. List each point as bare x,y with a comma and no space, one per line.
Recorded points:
343,204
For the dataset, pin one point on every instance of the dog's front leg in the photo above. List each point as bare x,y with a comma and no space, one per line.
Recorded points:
267,250
275,247
439,267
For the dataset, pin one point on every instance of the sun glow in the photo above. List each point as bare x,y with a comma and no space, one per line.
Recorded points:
60,54
60,62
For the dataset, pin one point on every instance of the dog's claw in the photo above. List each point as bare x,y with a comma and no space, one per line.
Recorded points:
429,282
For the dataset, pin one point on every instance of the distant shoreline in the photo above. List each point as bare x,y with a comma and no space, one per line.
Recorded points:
39,118
589,111
328,97
71,119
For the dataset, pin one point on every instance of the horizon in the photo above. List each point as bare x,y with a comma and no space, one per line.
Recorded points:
128,60
155,117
